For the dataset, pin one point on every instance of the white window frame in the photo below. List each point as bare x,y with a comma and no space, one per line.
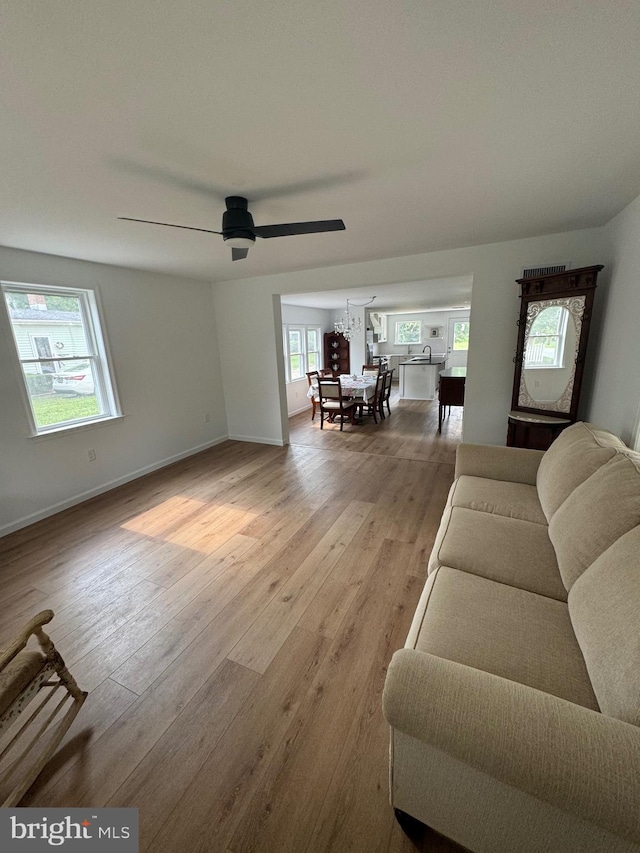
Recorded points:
407,343
97,354
454,322
303,328
560,337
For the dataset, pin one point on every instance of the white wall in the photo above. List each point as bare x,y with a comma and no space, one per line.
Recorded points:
297,400
613,374
176,359
428,320
252,409
161,332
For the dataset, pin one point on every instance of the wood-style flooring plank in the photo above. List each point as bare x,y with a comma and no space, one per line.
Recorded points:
168,769
210,809
260,644
281,816
355,813
304,562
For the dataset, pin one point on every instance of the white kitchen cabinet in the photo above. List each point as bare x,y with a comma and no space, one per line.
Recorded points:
379,323
394,361
418,381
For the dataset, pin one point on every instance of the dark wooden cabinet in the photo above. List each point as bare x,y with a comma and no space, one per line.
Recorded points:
451,390
534,433
553,332
336,353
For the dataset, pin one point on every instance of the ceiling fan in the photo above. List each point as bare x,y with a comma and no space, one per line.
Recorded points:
239,232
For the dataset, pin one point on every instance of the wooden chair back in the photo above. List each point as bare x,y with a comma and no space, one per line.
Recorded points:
370,369
332,402
379,387
386,394
329,389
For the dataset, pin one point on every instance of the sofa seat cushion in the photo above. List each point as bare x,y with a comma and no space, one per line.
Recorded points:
508,550
509,632
596,514
513,500
573,457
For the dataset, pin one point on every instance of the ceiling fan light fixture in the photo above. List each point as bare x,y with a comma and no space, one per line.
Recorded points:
239,231
239,242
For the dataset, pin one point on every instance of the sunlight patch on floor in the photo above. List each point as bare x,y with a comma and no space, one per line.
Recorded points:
155,521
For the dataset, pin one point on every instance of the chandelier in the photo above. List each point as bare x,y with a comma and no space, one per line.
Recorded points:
347,326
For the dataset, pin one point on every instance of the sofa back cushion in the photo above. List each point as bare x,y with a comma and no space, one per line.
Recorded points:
577,452
604,606
596,513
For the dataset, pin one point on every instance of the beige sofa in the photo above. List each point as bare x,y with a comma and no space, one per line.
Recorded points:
515,705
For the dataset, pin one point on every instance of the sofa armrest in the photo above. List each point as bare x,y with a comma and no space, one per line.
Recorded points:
564,754
513,464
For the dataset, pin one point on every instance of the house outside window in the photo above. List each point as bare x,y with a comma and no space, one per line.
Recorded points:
301,350
62,355
408,332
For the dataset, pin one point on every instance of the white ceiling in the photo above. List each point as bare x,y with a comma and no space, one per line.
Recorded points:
424,125
404,297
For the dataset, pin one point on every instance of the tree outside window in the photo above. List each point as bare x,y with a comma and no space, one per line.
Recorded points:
301,350
461,335
313,349
408,332
296,355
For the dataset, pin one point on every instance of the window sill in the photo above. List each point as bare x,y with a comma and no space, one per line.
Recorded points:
544,367
65,430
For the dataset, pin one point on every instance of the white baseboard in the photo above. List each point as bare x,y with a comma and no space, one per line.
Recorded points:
105,487
297,411
278,442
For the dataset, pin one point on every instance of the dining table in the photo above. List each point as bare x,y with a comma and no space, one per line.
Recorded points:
352,386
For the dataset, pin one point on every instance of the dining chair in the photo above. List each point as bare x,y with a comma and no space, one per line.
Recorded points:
332,402
29,741
370,369
386,394
374,404
311,376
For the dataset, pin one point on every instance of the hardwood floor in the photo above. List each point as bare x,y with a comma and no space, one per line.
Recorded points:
232,617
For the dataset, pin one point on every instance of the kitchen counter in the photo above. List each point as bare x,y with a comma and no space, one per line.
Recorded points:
418,360
418,378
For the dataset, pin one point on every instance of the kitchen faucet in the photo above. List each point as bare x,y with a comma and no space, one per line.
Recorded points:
427,347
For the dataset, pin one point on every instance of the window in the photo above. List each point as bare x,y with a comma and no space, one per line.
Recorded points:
301,350
461,335
62,355
408,332
545,342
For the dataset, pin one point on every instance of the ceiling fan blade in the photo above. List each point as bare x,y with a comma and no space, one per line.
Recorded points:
169,224
285,230
239,254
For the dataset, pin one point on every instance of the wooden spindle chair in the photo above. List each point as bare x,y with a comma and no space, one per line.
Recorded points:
24,676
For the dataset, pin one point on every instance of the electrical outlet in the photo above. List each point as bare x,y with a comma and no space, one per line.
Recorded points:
91,455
